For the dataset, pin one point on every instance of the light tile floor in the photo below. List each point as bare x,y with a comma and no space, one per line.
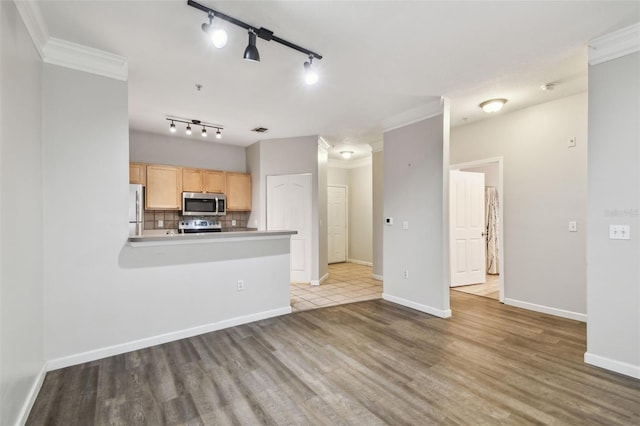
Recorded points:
347,282
491,288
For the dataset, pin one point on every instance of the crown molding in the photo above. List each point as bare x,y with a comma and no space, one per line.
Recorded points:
68,54
349,164
615,45
83,58
430,109
323,144
32,17
377,146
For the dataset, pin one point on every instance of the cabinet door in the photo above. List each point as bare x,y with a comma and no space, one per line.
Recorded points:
192,180
164,188
214,181
238,191
137,173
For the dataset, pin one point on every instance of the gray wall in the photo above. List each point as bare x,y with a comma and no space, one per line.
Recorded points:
360,214
378,210
490,174
413,192
166,149
21,217
545,187
613,274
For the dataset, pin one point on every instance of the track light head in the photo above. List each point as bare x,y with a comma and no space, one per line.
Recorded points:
251,52
310,75
188,130
218,35
204,132
218,134
172,127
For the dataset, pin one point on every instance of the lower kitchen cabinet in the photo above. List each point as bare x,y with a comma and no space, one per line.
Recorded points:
238,191
164,188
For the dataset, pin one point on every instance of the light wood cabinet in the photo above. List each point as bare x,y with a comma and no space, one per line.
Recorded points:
198,180
164,188
238,191
137,173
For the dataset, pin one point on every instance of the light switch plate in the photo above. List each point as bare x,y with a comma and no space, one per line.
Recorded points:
405,224
388,221
572,142
619,232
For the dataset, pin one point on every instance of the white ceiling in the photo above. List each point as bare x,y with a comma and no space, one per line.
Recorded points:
380,58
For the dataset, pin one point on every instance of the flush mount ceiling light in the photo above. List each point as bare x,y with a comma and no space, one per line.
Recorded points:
218,35
493,105
346,154
172,126
251,52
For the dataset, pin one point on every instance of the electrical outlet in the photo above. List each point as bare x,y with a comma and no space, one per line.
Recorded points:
572,142
405,274
160,223
233,222
388,220
240,285
573,226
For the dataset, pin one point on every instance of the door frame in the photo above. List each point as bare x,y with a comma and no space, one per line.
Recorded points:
499,161
346,220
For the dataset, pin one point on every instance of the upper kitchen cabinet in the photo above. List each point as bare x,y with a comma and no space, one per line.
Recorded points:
197,180
164,188
238,191
137,173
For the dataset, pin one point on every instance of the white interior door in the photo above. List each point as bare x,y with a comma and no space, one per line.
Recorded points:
467,243
337,223
289,207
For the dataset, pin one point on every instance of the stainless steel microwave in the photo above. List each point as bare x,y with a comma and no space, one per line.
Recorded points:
199,204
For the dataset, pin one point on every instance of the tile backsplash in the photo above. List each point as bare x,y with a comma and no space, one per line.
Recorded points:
170,219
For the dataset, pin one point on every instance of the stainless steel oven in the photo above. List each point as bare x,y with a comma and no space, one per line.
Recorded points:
199,204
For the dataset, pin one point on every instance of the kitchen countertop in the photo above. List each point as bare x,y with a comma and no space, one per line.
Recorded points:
172,237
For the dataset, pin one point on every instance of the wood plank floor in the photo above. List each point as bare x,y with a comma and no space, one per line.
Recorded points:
365,363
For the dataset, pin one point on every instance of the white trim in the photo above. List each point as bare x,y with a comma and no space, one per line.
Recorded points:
414,115
377,277
546,310
349,164
32,17
95,354
318,282
487,162
377,146
83,58
323,144
32,395
613,365
417,306
359,262
615,45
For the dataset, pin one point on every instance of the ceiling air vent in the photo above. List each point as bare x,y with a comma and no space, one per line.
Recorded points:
260,130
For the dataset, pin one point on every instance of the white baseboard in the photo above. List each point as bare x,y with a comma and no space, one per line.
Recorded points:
318,282
377,277
417,306
546,310
33,394
359,262
613,365
93,355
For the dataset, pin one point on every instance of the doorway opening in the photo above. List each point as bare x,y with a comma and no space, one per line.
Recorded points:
492,282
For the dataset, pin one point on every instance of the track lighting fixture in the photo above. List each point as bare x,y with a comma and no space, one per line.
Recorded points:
310,75
188,131
251,52
493,105
218,35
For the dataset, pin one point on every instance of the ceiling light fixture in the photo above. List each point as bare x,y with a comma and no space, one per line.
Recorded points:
204,133
310,75
218,35
346,154
493,105
251,52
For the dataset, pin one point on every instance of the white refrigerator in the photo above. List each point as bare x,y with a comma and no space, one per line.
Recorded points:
136,209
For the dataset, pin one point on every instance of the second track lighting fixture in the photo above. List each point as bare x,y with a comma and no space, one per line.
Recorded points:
172,126
251,52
